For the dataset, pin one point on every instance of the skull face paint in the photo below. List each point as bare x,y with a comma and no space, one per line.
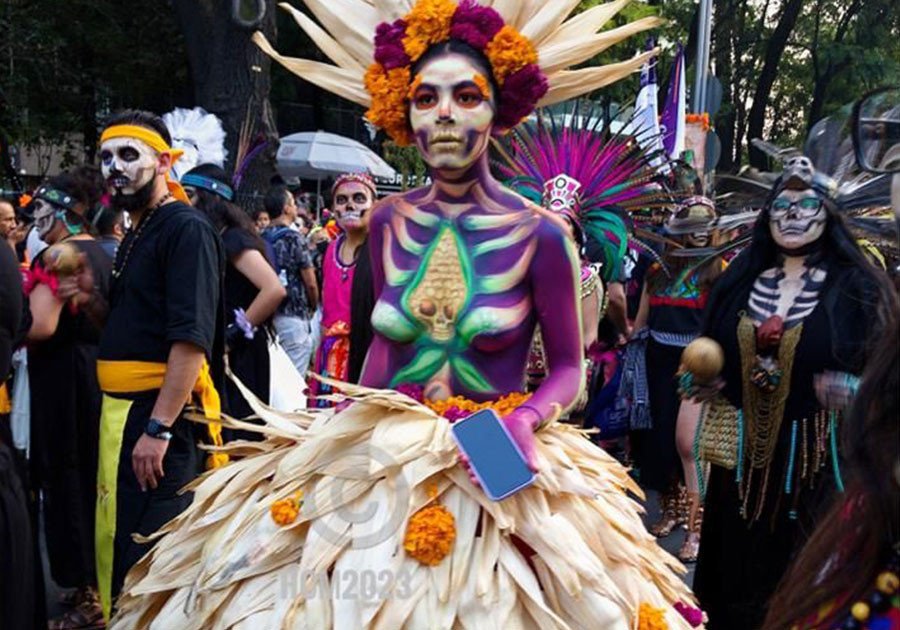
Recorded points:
797,218
351,205
449,115
129,168
44,217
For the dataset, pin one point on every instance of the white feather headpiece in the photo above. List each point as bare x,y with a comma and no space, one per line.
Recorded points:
200,135
347,37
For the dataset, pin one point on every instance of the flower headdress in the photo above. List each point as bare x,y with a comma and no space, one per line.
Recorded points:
529,44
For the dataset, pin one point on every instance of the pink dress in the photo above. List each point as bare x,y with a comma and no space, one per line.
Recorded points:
334,352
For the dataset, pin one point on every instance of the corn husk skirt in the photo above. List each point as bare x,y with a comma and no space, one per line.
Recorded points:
570,551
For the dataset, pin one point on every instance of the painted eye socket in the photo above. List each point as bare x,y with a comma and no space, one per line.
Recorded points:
782,205
469,97
106,156
129,154
425,99
810,203
359,198
340,200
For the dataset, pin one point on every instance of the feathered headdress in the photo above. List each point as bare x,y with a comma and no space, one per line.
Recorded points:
583,171
529,44
199,134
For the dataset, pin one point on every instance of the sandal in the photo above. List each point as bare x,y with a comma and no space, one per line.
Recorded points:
690,549
671,505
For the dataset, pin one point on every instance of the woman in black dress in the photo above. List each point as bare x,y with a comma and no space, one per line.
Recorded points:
252,290
65,397
793,314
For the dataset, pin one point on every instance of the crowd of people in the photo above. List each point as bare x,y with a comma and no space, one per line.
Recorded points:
591,301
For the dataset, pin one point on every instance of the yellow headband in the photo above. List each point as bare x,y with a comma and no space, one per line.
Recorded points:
155,142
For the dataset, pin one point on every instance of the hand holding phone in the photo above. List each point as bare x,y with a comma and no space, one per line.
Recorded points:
494,457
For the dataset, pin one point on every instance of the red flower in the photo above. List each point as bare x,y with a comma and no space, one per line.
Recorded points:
474,24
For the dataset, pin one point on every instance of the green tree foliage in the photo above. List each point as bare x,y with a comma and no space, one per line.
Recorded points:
66,65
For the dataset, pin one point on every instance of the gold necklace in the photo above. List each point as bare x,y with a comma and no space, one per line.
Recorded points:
119,269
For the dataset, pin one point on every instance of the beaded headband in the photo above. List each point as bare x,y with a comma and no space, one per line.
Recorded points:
209,184
359,178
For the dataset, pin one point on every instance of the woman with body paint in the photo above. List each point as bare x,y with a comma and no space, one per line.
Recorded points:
463,270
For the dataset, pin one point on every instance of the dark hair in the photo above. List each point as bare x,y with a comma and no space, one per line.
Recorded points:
856,537
142,119
274,201
85,185
104,219
223,214
255,214
844,259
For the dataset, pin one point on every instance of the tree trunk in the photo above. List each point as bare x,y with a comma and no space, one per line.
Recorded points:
231,80
774,51
723,43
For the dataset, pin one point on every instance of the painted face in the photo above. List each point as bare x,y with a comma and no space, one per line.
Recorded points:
351,205
449,114
44,217
128,164
797,218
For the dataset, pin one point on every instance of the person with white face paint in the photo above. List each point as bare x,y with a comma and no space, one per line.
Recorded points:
668,319
352,197
163,332
65,396
792,313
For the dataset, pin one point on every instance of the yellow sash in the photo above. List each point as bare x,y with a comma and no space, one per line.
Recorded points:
5,404
129,377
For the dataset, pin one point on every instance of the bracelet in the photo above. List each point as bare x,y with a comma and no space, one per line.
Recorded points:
540,417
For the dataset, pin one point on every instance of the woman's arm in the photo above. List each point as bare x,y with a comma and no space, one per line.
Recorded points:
590,316
45,311
258,271
376,370
640,320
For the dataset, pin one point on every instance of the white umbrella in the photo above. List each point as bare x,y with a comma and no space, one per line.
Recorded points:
318,154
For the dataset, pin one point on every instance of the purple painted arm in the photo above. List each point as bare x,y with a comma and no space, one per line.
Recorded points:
375,371
555,290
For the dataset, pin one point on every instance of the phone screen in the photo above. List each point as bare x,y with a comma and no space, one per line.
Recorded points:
495,459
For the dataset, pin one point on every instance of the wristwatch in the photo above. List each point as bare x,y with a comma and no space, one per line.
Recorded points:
158,430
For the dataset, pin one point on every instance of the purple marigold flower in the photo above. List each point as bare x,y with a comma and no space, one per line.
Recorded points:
474,24
520,95
389,51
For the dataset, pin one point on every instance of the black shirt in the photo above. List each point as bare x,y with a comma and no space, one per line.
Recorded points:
239,291
169,290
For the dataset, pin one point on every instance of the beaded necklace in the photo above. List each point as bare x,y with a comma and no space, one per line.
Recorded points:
122,261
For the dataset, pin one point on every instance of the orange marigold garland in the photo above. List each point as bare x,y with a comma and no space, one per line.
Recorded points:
509,52
430,533
389,101
427,24
286,511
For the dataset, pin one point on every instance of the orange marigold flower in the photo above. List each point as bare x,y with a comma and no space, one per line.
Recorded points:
388,90
427,24
483,86
650,618
285,511
509,52
430,534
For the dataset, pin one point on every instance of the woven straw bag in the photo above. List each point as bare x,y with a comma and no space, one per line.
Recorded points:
719,433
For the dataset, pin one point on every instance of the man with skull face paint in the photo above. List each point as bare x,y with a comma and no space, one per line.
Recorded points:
65,396
792,313
165,326
352,197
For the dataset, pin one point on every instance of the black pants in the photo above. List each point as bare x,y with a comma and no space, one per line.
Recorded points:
139,512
